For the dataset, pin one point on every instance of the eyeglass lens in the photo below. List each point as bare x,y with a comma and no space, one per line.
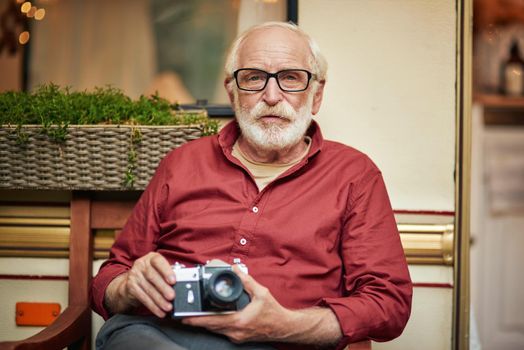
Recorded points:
288,80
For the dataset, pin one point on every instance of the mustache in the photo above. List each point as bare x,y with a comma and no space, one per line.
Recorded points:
282,110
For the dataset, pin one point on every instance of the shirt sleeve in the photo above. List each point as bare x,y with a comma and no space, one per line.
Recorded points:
376,277
138,237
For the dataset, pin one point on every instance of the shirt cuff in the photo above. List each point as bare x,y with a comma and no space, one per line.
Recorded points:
352,327
99,286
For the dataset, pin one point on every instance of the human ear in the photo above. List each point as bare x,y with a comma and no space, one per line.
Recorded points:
317,98
228,84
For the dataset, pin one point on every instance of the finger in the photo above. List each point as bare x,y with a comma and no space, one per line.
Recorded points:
164,268
153,276
155,295
160,285
147,301
250,285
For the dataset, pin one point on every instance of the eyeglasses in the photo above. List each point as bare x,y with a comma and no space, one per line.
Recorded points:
288,80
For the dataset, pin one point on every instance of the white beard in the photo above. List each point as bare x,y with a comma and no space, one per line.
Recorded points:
273,136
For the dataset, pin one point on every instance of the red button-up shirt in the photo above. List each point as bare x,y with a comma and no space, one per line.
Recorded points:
323,233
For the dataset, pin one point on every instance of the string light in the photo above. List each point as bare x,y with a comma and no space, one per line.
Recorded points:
14,20
30,12
40,14
23,38
26,6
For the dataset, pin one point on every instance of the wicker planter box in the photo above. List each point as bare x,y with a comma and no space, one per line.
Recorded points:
92,157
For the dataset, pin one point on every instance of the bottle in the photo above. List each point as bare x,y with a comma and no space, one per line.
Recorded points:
513,72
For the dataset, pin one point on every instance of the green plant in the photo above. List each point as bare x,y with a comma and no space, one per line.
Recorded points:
55,108
135,139
52,106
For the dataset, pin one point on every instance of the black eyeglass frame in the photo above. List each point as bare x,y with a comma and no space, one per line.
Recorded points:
274,75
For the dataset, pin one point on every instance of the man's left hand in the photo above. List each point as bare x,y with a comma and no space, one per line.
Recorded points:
263,319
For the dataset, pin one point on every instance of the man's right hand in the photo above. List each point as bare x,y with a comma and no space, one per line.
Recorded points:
149,282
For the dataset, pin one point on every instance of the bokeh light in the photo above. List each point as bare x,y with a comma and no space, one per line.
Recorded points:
23,38
39,14
26,6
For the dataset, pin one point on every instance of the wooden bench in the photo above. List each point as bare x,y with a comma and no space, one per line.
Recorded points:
73,327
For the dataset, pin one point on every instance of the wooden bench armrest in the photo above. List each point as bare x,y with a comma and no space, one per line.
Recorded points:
67,329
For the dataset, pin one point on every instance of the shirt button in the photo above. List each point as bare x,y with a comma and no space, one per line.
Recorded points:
243,241
255,210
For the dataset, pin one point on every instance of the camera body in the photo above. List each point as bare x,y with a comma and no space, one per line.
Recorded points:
208,289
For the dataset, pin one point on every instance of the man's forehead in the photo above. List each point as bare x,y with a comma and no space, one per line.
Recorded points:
275,43
278,35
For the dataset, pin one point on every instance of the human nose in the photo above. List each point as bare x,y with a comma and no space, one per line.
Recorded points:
272,92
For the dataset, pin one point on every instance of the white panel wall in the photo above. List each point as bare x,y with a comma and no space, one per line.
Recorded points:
34,290
390,90
391,94
429,325
13,291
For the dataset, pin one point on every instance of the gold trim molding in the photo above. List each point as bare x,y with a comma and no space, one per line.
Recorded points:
427,243
46,234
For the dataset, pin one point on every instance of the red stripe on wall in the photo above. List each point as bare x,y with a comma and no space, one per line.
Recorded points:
34,277
433,285
425,212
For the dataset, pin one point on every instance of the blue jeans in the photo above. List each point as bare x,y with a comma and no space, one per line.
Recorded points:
127,332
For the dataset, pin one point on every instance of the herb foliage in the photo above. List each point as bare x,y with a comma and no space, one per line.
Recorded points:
50,105
55,108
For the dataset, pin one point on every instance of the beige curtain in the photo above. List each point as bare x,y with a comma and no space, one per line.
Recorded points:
253,12
83,44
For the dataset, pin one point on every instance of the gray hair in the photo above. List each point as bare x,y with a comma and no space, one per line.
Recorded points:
316,60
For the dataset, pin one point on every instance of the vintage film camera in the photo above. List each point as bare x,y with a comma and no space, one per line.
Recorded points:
208,289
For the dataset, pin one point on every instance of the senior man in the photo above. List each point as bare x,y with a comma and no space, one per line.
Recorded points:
310,218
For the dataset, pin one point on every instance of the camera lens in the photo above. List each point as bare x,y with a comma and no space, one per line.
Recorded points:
224,287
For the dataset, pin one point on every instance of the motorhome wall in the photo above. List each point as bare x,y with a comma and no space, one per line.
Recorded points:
391,93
